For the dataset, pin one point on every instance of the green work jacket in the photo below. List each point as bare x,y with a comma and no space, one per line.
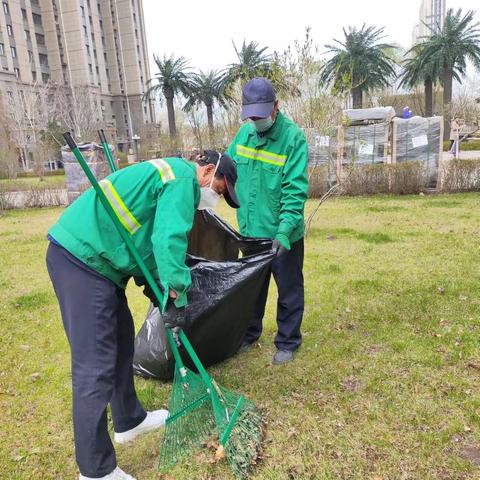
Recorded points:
272,183
156,202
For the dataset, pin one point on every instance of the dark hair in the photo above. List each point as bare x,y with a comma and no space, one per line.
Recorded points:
209,157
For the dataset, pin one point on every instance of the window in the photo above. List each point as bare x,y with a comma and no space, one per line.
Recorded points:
9,31
2,49
88,49
45,77
28,37
13,50
24,14
17,72
85,30
30,56
34,75
40,38
5,8
83,11
37,19
90,68
43,59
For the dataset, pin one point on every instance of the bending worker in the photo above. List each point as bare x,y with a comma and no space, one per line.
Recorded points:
271,155
89,266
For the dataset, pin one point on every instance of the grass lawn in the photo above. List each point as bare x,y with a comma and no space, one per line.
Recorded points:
385,386
25,183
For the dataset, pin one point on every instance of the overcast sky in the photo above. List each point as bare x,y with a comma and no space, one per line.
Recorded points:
203,30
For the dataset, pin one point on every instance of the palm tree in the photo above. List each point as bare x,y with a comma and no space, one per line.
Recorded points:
359,64
416,72
173,77
253,61
449,49
207,88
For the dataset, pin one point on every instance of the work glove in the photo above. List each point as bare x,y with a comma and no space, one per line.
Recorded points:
278,248
175,317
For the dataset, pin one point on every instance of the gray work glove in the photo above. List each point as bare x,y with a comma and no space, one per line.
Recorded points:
175,317
278,248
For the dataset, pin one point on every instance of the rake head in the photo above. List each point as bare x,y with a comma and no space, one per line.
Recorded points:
199,413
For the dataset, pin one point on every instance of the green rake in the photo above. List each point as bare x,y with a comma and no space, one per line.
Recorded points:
199,409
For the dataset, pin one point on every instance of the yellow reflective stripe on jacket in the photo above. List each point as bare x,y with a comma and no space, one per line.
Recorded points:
261,155
165,170
121,210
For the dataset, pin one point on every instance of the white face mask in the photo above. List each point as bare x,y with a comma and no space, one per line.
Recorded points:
209,198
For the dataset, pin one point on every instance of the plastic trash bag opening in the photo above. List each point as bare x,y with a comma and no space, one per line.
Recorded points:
211,238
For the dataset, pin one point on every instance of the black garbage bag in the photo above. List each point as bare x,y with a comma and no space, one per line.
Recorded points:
227,272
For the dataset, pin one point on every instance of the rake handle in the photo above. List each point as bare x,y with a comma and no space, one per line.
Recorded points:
106,149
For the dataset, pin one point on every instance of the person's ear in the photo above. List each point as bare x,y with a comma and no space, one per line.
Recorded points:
275,109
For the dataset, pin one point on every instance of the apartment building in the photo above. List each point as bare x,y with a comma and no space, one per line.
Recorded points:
96,43
430,19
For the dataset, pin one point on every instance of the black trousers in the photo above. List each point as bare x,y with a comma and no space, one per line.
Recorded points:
100,330
288,274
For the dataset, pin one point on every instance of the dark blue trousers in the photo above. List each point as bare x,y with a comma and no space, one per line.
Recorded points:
100,330
287,271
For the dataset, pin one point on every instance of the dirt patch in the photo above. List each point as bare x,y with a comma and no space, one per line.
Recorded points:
472,454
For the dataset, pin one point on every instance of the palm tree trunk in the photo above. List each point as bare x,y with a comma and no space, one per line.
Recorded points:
357,97
428,97
169,95
447,100
211,128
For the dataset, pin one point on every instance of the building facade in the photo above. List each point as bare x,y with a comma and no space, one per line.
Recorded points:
431,18
77,43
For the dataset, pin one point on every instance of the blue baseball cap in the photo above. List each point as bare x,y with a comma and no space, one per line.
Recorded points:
258,98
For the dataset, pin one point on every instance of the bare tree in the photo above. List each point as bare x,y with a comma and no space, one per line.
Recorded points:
28,110
8,149
79,111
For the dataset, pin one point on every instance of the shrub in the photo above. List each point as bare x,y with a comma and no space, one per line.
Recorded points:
318,182
461,176
48,173
401,179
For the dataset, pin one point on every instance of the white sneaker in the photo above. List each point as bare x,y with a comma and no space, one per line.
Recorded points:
117,474
153,420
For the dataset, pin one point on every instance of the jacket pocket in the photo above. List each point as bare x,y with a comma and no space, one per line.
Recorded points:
272,185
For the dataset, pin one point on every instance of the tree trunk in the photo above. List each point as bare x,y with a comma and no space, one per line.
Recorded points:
169,95
428,97
447,101
211,128
357,97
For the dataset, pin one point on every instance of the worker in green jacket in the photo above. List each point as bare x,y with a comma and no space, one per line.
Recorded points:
89,266
270,152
